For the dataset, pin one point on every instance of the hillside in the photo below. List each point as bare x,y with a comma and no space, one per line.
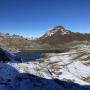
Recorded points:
60,35
15,43
59,71
69,70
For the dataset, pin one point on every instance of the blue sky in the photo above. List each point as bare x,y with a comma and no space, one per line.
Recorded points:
35,17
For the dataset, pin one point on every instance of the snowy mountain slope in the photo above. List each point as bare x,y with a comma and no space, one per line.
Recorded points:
12,79
56,30
60,71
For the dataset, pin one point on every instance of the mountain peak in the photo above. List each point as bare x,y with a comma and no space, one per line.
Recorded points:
59,35
58,29
62,30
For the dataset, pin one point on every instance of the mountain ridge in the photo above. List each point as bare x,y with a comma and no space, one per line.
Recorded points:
60,35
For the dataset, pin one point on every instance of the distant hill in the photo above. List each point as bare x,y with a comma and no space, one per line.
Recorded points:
14,42
60,35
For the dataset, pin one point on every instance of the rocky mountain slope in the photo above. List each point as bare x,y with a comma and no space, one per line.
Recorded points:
60,35
16,42
59,71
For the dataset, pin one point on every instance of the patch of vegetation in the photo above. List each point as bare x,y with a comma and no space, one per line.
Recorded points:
3,58
87,79
88,58
45,55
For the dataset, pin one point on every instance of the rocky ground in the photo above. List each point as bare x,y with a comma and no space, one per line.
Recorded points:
60,71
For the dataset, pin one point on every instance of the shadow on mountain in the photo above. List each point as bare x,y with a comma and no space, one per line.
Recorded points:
11,79
6,56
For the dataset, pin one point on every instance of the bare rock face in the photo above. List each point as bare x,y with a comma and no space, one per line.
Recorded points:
60,35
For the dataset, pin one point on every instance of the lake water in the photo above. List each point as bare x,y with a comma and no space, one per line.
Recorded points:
30,56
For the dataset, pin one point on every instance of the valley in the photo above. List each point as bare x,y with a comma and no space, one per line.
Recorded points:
61,63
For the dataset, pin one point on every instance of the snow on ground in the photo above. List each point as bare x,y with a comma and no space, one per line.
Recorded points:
58,72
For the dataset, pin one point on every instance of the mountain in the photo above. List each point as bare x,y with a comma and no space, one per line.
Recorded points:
68,70
60,35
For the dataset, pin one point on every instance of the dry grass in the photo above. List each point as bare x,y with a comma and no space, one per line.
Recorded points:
79,55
